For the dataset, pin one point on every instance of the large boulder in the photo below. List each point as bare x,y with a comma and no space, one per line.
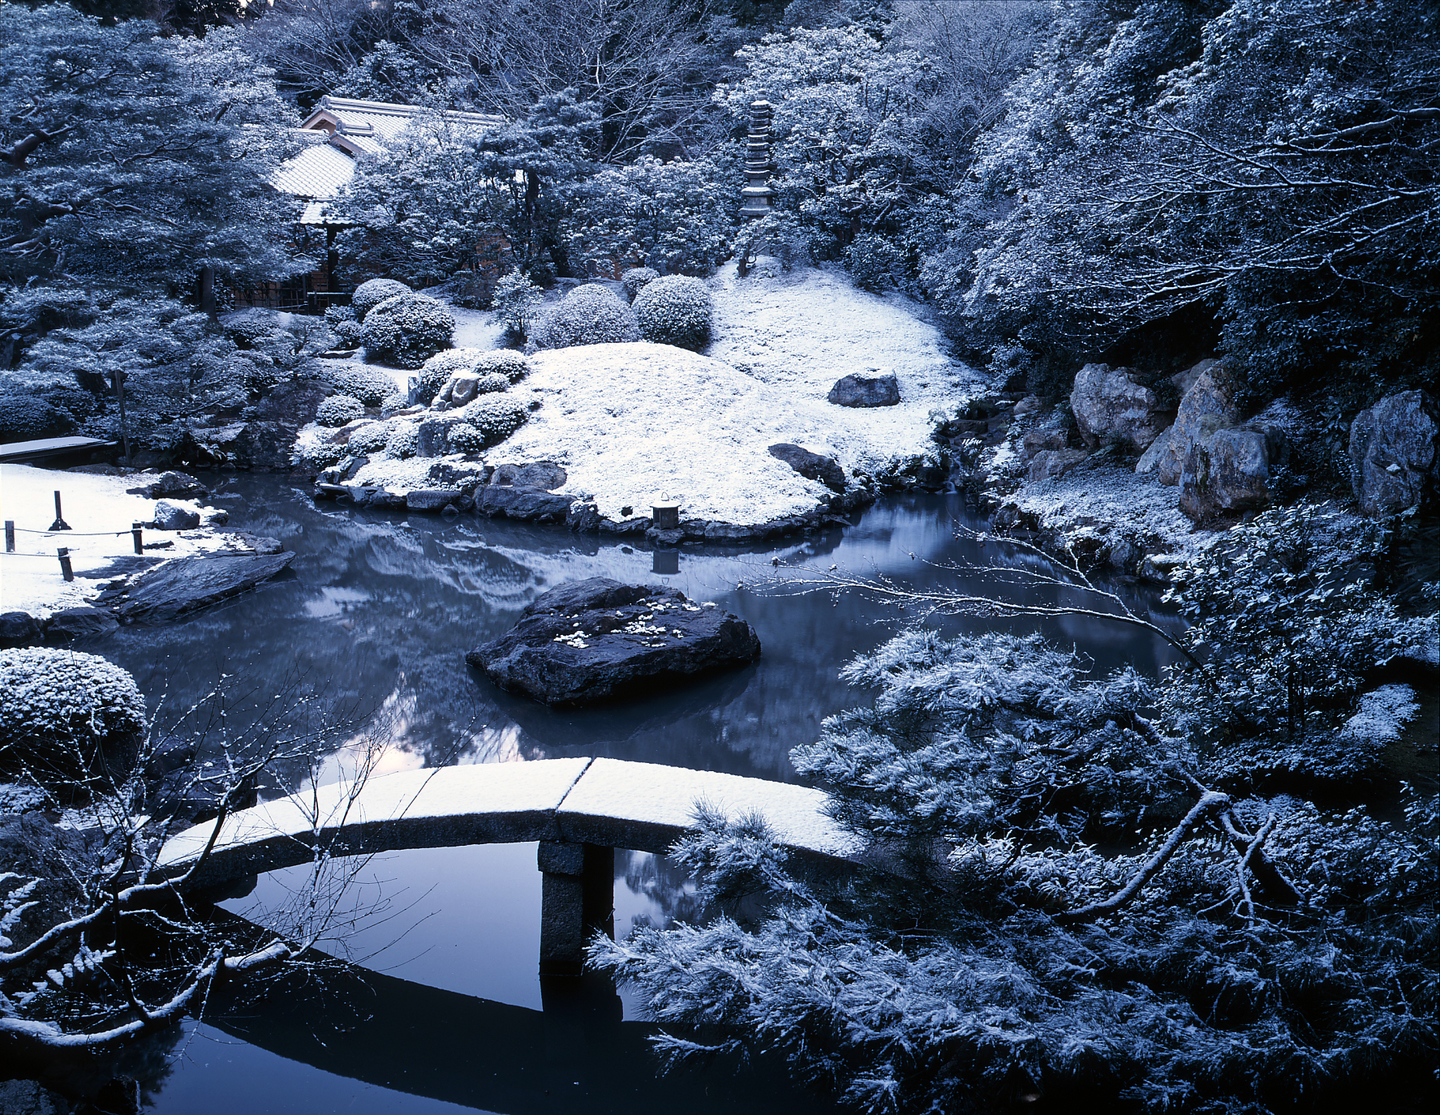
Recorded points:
79,623
507,501
19,629
545,475
810,465
1110,406
1204,409
172,516
178,587
870,389
1394,452
1227,475
599,639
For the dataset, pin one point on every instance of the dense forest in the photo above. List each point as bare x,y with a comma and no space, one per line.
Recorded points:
1204,893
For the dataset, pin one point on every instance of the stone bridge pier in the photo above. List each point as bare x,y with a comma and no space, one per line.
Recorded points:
577,900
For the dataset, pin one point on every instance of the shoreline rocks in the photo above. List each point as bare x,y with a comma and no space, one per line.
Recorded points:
598,640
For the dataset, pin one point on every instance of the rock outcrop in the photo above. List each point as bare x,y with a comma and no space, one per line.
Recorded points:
599,639
810,465
870,389
171,516
1110,406
1204,408
1227,474
1395,452
177,588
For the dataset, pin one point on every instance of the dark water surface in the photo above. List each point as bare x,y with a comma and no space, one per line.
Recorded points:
372,623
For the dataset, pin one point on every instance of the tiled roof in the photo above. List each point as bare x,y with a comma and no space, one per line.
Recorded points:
320,171
327,164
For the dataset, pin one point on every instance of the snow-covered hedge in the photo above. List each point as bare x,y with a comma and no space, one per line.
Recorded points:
339,410
589,315
369,295
636,279
347,333
66,715
407,330
675,310
496,417
369,385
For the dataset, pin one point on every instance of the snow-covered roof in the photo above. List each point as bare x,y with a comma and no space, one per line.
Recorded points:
335,133
366,127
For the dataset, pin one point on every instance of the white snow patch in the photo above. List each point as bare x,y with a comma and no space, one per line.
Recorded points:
652,794
636,423
99,513
1382,715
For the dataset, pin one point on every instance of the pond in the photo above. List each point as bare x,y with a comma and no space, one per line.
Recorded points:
371,626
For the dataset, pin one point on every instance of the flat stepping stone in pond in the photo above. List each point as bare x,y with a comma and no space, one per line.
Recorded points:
184,585
600,639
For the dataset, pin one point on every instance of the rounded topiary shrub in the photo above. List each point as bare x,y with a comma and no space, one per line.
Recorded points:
637,279
496,417
370,385
404,441
371,439
338,410
347,333
407,330
26,418
503,361
589,315
67,717
439,368
675,310
369,295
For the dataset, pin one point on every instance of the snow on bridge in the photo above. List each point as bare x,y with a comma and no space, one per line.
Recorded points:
578,809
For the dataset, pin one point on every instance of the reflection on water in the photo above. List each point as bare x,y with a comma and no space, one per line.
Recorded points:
378,612
370,627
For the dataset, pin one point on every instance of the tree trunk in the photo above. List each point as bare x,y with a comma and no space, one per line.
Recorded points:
208,302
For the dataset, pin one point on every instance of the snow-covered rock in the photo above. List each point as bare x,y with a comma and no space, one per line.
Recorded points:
599,639
872,388
1395,452
1204,409
1110,406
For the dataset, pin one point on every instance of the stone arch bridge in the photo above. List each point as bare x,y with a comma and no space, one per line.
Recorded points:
579,810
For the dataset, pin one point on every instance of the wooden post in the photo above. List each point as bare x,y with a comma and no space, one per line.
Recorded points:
65,570
9,536
59,523
136,530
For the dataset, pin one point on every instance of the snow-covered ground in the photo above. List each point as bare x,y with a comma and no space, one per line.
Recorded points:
99,513
635,423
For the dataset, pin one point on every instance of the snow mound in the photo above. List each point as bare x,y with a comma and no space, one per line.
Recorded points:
636,423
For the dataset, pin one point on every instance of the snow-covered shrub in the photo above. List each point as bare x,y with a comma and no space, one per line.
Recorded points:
393,403
496,417
634,280
369,385
67,715
504,361
404,441
26,417
347,333
338,410
589,315
875,263
515,300
675,310
407,330
334,315
439,368
370,294
316,449
466,438
371,439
